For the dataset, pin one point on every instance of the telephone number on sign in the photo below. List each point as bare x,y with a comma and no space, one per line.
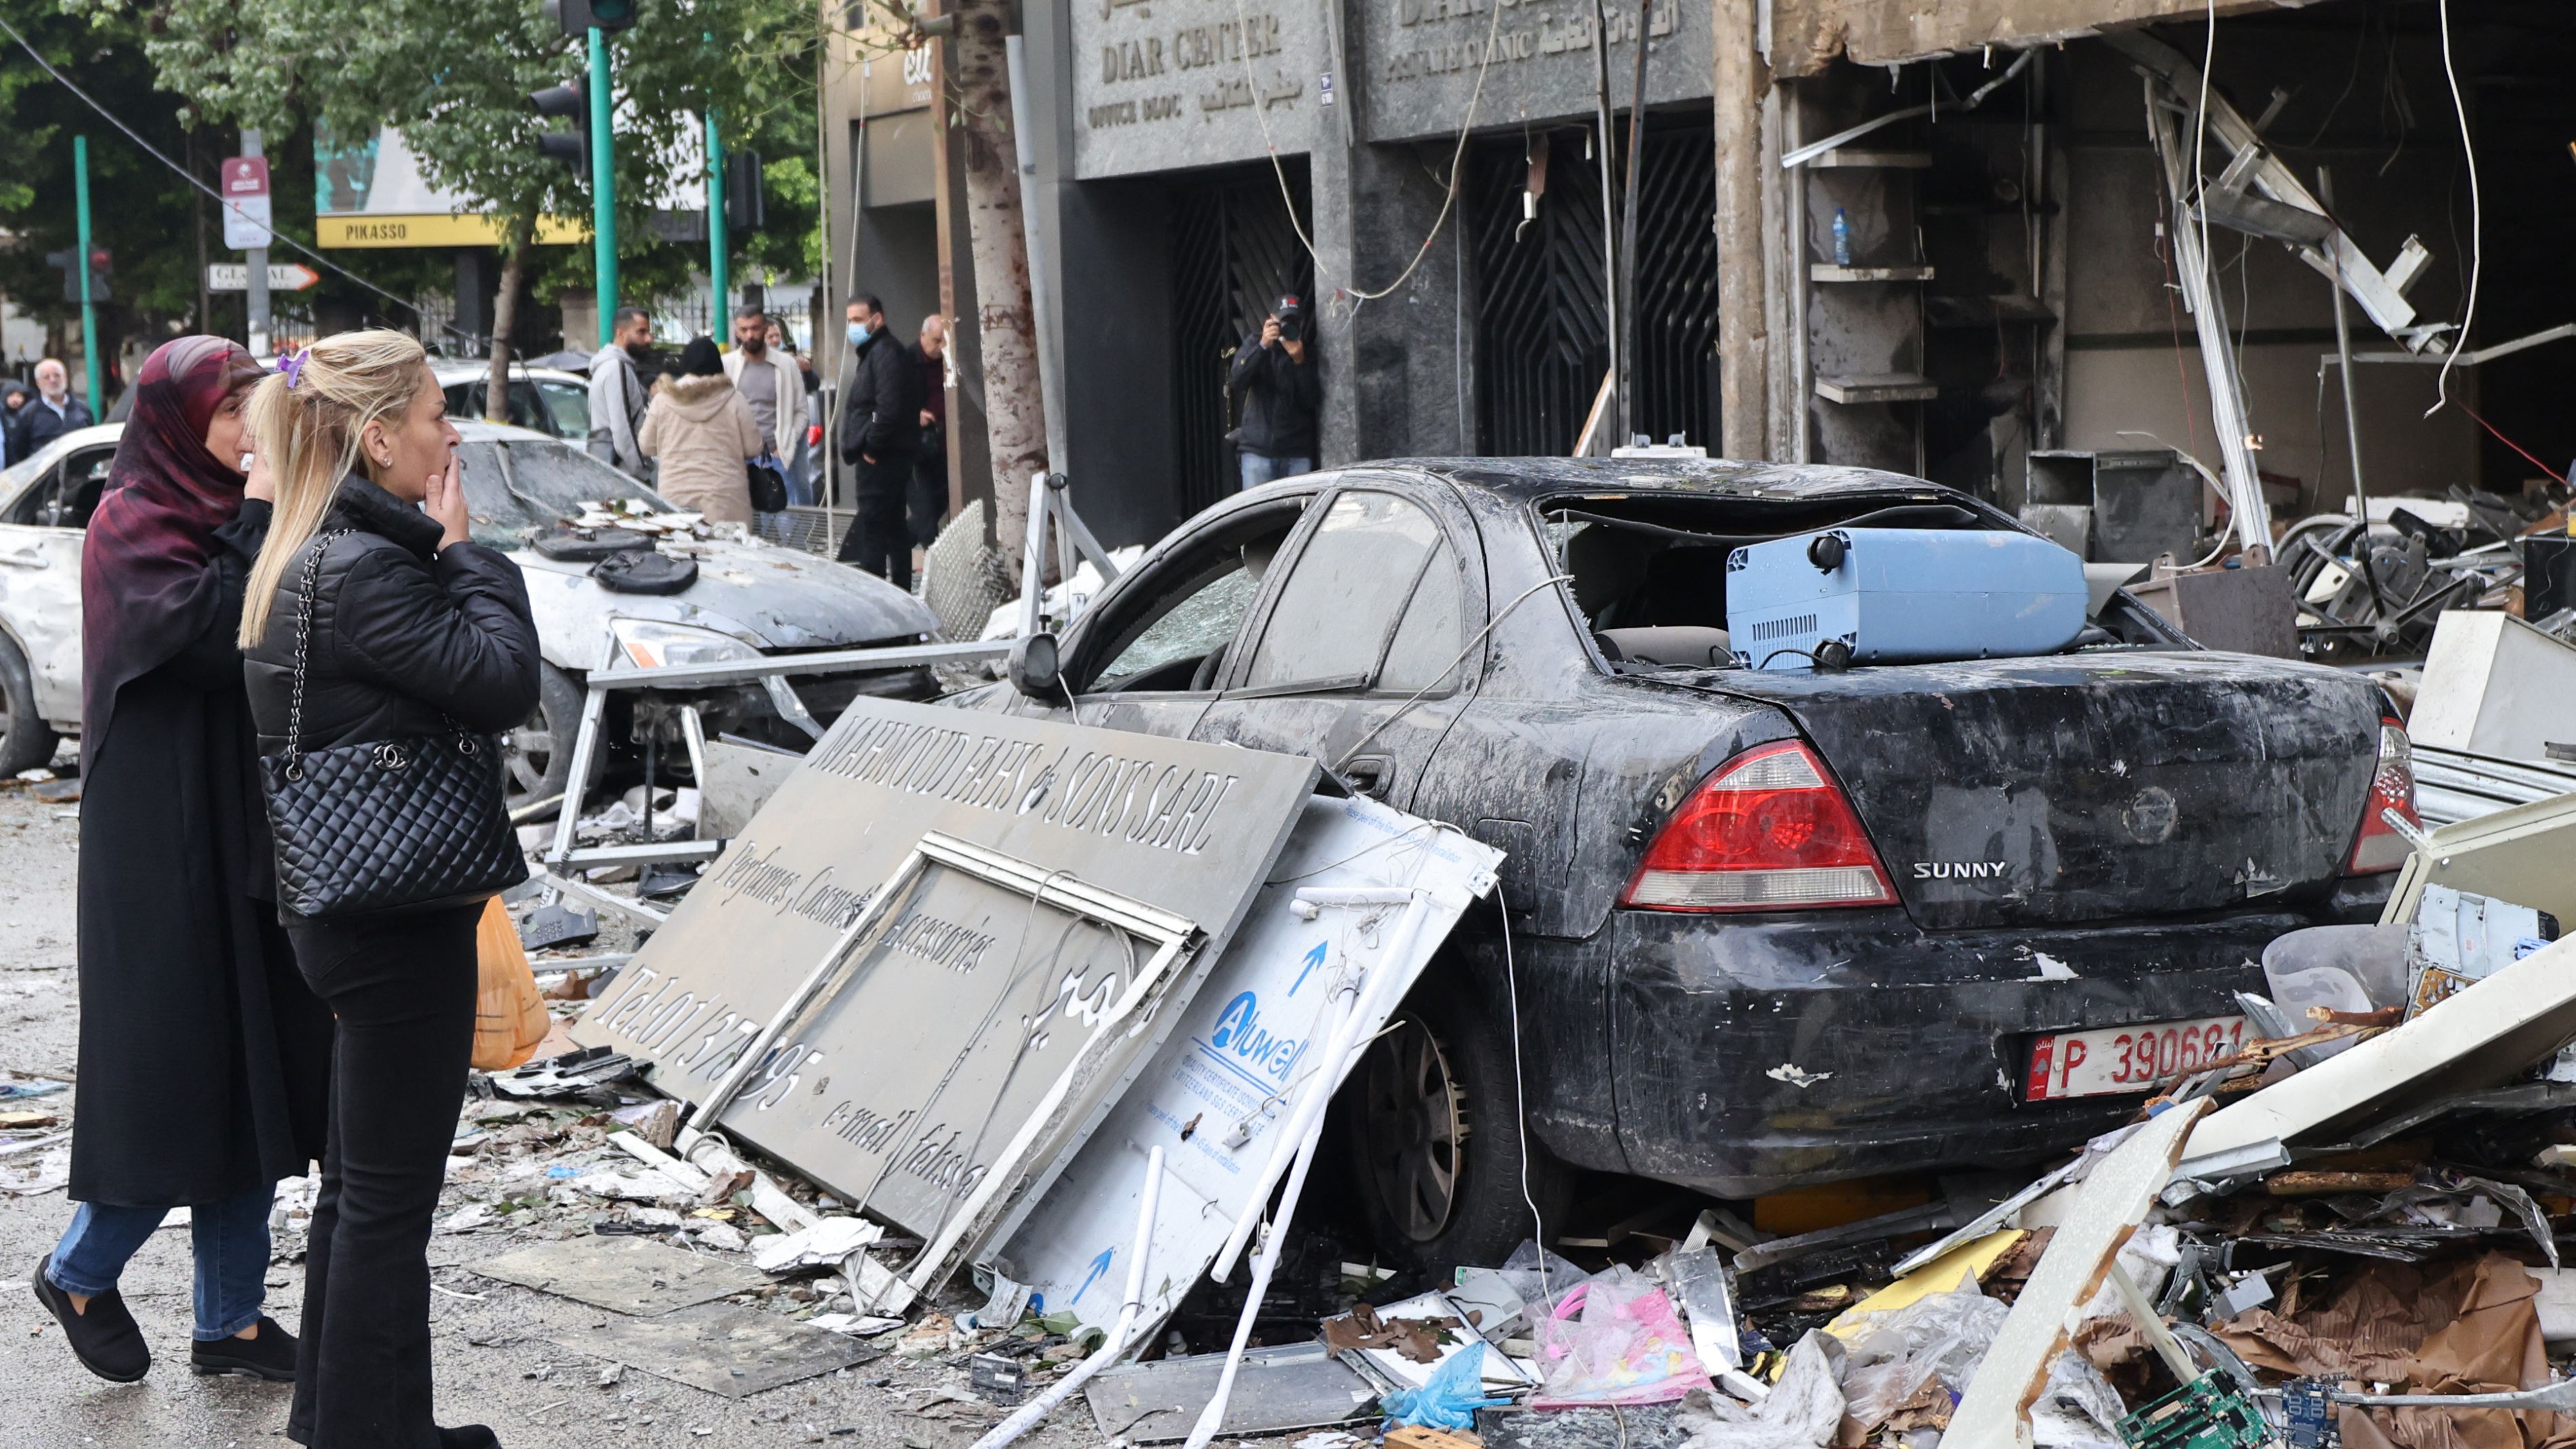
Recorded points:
2122,1059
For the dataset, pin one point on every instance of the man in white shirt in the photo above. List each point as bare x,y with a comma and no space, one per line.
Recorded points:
771,384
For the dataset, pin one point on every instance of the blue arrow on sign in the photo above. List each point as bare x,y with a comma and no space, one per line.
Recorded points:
1314,959
1099,1266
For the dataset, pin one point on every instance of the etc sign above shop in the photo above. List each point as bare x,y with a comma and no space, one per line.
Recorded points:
1425,55
1165,84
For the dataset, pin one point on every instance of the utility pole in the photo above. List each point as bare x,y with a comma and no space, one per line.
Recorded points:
719,241
603,186
258,259
89,303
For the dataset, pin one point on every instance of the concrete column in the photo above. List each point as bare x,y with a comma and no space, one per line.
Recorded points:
1740,82
1399,369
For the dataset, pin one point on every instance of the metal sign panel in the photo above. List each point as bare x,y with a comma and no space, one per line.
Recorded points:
1188,828
1245,1044
1163,84
1425,57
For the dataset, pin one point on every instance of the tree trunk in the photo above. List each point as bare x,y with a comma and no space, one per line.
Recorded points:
505,317
1014,413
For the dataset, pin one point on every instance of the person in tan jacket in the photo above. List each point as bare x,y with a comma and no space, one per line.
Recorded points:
703,433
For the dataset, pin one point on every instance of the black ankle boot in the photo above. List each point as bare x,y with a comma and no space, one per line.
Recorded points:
106,1339
268,1354
468,1436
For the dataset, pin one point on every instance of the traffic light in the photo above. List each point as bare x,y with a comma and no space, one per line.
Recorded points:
744,209
101,264
580,17
570,101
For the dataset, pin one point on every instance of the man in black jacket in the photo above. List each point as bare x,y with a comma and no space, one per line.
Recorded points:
47,416
880,431
1274,374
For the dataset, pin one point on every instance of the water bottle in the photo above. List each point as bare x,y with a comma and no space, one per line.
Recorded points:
1842,238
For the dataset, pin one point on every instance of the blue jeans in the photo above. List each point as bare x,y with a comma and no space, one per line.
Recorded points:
232,1256
1258,470
800,476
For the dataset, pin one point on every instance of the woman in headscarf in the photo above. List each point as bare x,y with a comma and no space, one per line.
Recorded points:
704,434
204,1058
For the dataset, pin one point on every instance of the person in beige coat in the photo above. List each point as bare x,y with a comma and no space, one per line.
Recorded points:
702,432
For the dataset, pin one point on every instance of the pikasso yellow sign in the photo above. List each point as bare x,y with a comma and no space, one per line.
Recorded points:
436,229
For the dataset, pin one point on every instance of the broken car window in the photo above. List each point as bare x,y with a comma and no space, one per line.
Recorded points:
547,482
1430,638
1332,623
1198,624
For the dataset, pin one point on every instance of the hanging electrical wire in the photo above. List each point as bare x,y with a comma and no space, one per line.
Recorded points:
184,174
1457,158
2477,222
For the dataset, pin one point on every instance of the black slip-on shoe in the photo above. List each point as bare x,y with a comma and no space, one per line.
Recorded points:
106,1339
268,1354
468,1436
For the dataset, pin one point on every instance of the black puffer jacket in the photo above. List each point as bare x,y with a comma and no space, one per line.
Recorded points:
881,416
405,636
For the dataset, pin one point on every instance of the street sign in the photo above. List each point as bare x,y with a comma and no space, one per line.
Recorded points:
247,218
282,276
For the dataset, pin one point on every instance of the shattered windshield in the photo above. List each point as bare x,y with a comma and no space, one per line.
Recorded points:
519,486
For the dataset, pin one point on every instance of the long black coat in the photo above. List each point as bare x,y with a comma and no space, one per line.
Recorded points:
205,1060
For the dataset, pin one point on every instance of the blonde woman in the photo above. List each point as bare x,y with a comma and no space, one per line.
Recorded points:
414,625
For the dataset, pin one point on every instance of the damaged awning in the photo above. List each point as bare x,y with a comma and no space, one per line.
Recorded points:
1808,35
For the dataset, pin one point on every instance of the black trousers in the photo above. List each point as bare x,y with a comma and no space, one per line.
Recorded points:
927,503
877,540
403,986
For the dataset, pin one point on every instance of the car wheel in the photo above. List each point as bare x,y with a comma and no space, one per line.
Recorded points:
26,741
1436,1159
537,756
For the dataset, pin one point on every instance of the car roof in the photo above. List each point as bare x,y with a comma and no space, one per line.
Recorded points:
1522,480
450,372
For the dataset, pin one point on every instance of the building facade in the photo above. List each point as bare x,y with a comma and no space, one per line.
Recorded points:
1986,274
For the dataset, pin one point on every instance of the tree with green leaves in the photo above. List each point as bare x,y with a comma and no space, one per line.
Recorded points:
454,77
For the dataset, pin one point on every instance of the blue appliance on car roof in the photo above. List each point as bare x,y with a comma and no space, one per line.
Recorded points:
1901,596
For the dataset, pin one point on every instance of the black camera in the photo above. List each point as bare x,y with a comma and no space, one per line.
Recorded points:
1292,326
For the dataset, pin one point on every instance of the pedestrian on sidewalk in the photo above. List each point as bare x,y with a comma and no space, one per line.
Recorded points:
880,431
773,386
50,414
800,464
618,377
926,505
416,630
702,434
1275,375
204,1059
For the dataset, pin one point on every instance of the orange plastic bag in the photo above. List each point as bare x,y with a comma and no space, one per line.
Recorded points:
509,1016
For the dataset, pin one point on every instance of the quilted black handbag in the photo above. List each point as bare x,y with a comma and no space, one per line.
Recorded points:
384,825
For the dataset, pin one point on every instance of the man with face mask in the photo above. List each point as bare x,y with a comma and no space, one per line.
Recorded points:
619,395
770,383
880,432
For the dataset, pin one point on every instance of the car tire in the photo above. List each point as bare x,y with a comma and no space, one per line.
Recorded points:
26,741
1435,1152
536,757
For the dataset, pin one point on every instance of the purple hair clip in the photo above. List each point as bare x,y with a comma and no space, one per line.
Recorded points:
290,365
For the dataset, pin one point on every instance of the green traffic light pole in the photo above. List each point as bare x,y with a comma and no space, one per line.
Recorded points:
719,259
89,304
603,187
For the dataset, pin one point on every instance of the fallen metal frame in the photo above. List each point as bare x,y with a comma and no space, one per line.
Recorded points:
1172,936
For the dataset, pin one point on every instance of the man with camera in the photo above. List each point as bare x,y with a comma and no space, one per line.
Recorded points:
1275,376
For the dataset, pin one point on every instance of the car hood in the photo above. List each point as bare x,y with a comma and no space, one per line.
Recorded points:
765,595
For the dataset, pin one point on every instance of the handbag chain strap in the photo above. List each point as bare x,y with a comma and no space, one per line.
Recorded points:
303,650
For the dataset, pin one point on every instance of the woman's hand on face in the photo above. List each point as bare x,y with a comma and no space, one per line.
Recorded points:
262,484
446,502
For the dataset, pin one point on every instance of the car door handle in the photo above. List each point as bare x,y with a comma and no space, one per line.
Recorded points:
1369,775
25,558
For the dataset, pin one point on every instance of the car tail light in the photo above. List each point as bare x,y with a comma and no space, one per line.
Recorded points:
1767,831
2382,846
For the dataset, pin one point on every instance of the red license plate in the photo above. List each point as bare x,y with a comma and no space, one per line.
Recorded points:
2128,1059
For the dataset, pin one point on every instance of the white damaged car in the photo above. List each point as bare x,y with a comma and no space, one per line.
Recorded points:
749,599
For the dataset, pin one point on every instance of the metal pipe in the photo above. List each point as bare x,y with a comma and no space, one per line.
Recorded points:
2351,411
1027,1417
1609,208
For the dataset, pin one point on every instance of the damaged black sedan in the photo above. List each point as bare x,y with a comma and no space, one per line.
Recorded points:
1760,927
